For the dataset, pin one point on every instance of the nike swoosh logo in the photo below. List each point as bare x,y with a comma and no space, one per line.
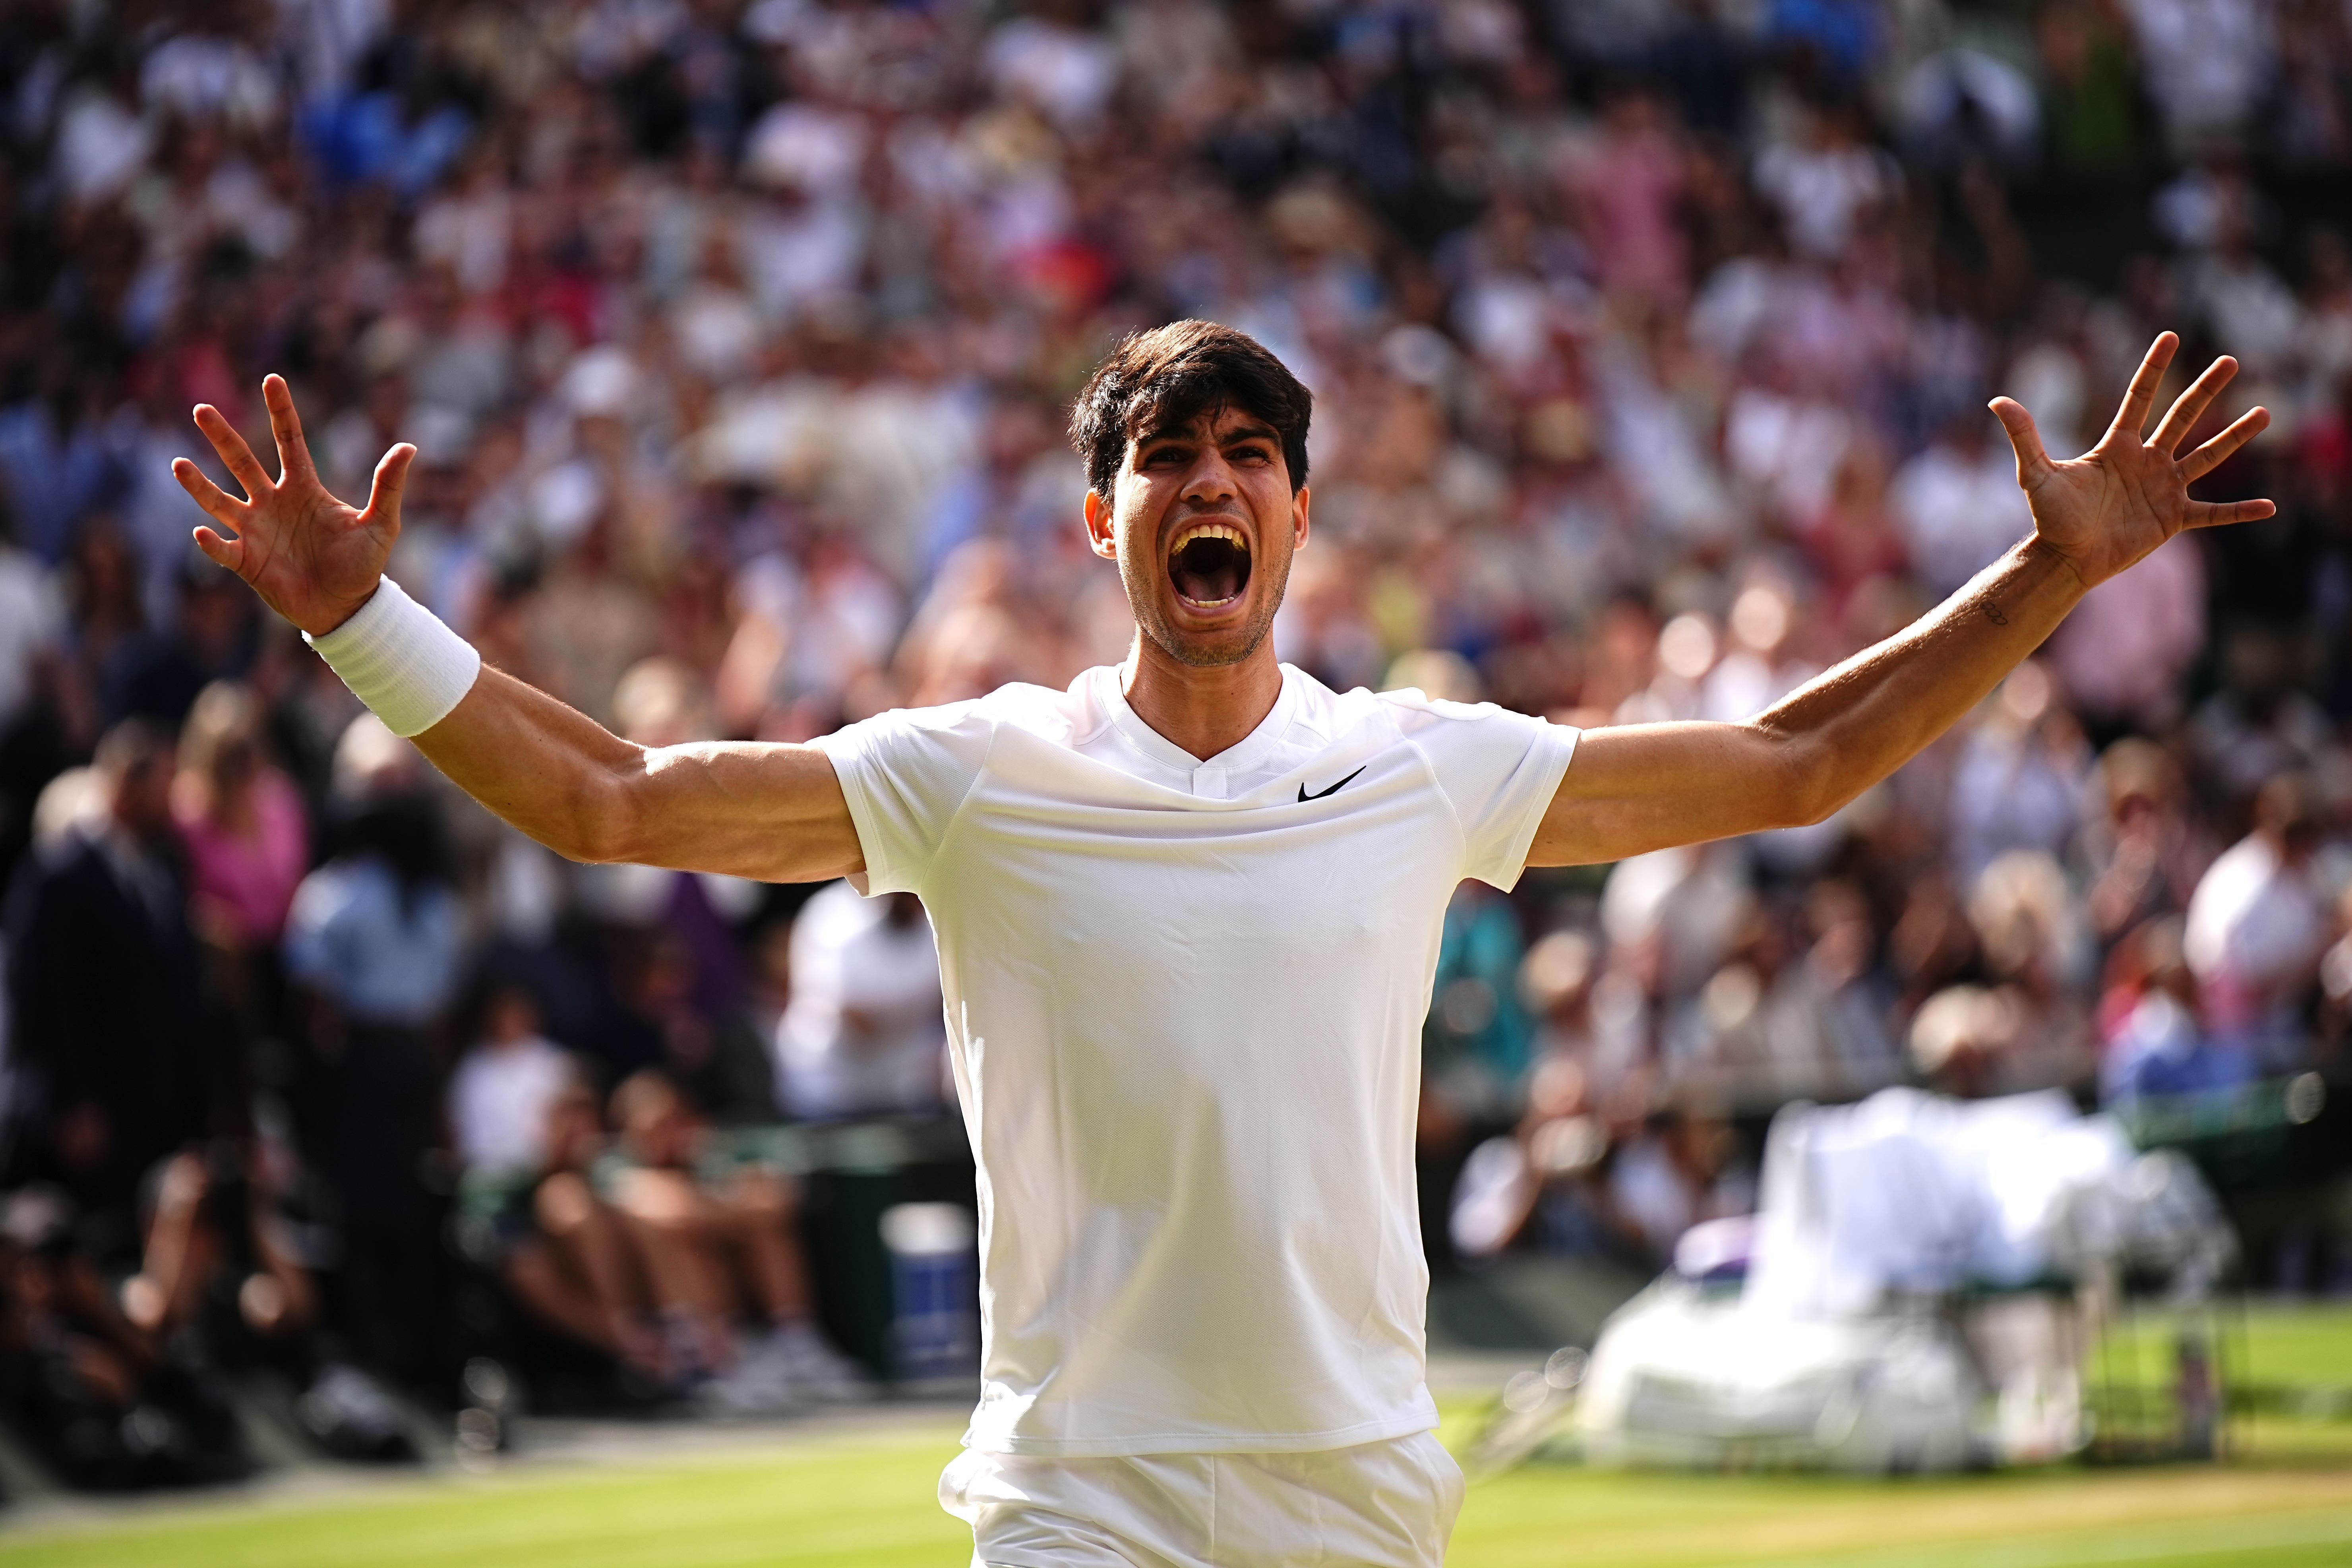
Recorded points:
1304,797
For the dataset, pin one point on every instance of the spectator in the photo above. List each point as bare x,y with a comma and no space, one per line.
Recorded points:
1670,1175
523,1117
2019,780
2029,932
1473,1045
210,1229
211,638
51,452
2257,926
221,1250
1629,185
1540,1184
2142,858
2159,1046
111,1078
31,614
500,1095
246,840
372,945
2206,64
863,1033
1855,553
1960,1037
2122,655
241,823
1826,181
101,1403
1958,503
720,1253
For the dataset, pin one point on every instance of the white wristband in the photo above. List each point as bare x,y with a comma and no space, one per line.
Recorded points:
398,657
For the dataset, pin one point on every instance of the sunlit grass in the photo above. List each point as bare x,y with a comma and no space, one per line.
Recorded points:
866,1501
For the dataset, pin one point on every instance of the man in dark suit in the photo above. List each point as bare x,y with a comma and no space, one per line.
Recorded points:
109,1033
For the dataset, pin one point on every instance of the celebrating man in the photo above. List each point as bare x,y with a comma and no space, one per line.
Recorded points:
1188,914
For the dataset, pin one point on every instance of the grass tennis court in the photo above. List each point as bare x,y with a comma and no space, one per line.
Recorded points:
864,1500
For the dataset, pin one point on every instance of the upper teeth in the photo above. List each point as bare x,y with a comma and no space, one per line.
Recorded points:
1208,530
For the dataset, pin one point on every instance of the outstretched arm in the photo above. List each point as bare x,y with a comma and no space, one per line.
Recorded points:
1648,786
774,812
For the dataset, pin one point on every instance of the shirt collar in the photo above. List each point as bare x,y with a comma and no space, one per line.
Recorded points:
1239,757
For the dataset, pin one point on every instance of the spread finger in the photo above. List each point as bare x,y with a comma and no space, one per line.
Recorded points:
217,503
2218,450
2191,406
2217,513
228,553
243,466
2141,397
286,425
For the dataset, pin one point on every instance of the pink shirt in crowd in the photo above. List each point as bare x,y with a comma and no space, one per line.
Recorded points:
250,876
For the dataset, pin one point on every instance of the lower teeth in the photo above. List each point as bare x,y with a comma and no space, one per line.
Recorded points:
1216,569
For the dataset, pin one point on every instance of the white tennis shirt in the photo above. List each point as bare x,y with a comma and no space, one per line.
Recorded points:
1184,1009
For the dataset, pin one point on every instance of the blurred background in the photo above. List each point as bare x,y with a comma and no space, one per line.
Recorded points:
1650,343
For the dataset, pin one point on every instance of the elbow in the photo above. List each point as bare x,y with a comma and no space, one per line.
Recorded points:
602,827
1817,807
1809,785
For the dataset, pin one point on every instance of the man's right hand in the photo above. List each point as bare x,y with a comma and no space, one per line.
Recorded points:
312,558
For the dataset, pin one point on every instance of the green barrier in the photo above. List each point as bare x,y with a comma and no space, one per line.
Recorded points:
2243,1140
850,1174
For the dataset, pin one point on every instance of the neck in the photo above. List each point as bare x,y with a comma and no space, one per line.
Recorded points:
1204,711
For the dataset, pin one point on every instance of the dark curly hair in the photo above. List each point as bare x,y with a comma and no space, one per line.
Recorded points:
1165,378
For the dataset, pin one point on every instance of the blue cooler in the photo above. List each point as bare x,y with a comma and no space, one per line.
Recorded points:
935,1293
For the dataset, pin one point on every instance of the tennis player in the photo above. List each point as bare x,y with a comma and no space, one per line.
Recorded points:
1188,915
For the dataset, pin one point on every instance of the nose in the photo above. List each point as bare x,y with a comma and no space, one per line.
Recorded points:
1210,481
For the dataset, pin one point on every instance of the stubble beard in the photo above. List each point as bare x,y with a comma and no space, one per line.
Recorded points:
1144,601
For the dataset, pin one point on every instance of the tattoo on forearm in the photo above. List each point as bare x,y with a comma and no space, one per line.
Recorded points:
1992,611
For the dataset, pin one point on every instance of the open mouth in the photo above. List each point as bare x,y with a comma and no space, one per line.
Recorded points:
1210,566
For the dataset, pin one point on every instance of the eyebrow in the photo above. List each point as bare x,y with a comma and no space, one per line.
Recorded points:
1230,437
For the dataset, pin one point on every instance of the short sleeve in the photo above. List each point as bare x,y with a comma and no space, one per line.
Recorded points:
905,773
1497,769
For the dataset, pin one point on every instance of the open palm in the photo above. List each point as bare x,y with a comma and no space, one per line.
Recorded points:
312,558
2119,501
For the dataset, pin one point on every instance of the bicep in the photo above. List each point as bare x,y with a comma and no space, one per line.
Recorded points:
766,812
1633,788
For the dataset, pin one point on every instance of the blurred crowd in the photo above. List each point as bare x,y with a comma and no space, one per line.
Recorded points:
1651,342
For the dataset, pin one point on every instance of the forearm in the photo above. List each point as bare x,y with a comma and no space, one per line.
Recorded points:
540,765
1638,788
769,811
773,813
1851,726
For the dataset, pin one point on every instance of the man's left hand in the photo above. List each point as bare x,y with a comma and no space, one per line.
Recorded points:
2103,510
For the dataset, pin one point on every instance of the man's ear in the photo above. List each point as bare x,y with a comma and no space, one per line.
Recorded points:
1100,537
1298,518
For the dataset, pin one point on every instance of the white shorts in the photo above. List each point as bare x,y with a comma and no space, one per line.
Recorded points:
1378,1505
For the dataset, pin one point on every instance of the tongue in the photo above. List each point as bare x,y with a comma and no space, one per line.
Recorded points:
1208,571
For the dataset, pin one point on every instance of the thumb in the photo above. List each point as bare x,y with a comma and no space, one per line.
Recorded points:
391,480
2033,462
